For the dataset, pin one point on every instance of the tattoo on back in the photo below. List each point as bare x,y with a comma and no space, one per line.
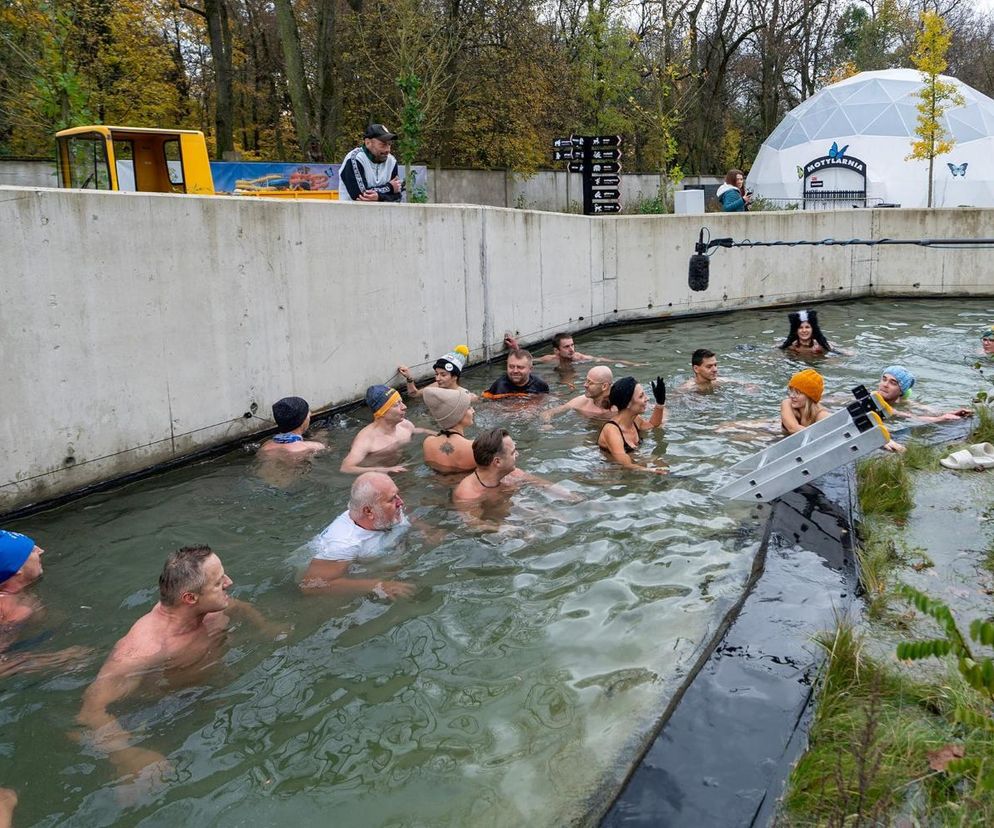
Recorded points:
447,448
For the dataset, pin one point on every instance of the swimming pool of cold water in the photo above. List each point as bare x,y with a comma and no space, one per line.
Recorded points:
516,682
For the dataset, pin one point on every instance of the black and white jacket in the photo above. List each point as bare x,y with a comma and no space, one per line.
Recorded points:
360,173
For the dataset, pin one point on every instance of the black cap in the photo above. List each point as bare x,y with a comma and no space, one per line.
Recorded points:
290,412
379,131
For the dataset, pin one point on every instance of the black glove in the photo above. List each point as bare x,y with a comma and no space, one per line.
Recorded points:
659,390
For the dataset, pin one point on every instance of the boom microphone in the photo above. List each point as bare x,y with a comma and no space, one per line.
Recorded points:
700,266
698,274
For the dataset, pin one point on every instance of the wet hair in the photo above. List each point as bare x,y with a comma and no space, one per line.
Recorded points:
520,353
811,317
183,572
557,339
732,175
701,354
488,445
622,392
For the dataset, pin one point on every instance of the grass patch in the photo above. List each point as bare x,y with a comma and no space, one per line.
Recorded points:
871,741
920,456
983,425
884,487
878,553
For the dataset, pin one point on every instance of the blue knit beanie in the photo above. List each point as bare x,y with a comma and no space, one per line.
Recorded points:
380,399
903,376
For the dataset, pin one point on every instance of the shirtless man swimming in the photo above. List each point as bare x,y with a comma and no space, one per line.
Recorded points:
894,386
293,418
593,403
389,432
564,352
704,364
496,474
20,568
449,450
178,639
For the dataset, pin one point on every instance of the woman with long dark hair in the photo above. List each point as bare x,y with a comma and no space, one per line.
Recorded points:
805,335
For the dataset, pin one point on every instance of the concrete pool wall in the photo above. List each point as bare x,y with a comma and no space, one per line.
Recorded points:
138,329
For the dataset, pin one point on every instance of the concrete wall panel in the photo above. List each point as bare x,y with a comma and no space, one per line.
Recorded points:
139,328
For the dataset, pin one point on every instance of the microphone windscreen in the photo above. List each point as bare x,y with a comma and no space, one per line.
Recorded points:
699,272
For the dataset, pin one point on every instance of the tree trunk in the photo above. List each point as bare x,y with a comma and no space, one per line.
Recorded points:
220,39
296,79
327,104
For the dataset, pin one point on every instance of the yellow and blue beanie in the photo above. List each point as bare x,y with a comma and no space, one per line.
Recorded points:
380,399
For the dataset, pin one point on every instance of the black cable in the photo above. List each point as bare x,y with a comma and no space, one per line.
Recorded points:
936,243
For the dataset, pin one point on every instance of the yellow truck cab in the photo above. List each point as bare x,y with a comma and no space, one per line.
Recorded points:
137,159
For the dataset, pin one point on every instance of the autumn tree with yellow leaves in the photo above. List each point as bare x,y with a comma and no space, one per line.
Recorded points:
936,96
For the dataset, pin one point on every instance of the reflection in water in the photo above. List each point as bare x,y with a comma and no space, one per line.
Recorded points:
518,677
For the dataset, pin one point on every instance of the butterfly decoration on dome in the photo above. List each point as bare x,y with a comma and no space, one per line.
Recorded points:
800,172
835,152
957,169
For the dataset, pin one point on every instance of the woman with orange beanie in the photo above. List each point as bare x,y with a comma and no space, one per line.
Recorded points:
802,407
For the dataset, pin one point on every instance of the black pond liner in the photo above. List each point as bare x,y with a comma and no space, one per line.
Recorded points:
724,747
721,752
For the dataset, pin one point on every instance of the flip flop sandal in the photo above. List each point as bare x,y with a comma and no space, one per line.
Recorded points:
960,460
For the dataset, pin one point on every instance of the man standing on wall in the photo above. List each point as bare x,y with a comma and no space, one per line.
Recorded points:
369,172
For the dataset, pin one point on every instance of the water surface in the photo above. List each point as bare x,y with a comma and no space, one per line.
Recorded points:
519,679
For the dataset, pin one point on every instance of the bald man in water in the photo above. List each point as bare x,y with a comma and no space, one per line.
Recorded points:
593,403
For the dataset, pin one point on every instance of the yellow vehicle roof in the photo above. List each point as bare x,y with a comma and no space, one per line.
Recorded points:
114,131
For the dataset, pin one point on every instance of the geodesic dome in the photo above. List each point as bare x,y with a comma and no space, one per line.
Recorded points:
871,117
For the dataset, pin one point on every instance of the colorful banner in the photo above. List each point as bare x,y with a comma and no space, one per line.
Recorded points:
259,176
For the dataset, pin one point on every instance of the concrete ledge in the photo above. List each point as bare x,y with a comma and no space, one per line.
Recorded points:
139,329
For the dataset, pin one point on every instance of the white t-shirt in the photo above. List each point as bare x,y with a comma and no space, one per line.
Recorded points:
344,540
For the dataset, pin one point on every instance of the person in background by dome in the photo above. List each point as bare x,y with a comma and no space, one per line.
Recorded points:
805,335
449,450
293,418
895,387
621,435
802,406
732,195
448,368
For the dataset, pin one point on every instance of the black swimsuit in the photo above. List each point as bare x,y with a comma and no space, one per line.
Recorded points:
628,449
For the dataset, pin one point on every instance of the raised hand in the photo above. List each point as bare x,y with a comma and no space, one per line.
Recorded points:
658,386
